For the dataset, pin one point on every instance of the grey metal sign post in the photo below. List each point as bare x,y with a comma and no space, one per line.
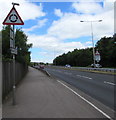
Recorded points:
13,18
14,102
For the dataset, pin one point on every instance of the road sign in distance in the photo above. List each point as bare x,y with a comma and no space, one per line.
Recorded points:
97,56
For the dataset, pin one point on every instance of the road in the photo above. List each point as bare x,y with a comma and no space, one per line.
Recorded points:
40,96
98,86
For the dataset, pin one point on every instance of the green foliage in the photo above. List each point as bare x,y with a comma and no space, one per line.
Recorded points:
6,42
23,55
84,57
22,46
107,49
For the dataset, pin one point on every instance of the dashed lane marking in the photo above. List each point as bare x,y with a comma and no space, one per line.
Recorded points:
84,76
109,83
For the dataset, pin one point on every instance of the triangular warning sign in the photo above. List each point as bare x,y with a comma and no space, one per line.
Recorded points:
13,18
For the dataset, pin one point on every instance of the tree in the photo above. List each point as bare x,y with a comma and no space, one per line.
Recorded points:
22,46
84,57
23,55
6,42
106,47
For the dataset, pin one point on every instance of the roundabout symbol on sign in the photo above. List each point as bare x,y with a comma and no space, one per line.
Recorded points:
13,18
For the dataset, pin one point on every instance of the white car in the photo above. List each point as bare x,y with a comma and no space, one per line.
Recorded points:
96,65
67,66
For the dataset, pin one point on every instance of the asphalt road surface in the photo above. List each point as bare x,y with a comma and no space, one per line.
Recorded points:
40,96
98,86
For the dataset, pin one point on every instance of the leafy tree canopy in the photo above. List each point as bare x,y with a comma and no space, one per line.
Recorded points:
23,55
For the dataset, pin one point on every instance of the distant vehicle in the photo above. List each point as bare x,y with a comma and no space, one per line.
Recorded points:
96,65
67,65
36,66
41,66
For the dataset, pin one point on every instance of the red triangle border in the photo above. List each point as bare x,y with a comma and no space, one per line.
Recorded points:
22,23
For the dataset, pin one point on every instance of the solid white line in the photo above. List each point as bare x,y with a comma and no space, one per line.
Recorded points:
85,100
109,83
84,76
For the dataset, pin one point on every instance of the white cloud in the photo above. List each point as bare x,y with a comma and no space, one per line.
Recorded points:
70,27
43,57
40,24
87,8
70,46
58,12
43,41
52,43
51,47
26,10
115,17
67,27
31,11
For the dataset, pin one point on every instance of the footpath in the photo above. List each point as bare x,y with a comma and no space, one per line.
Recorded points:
40,96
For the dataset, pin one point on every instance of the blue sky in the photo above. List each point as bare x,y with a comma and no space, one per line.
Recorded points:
54,28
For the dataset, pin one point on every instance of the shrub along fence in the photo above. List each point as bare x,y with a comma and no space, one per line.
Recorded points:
7,77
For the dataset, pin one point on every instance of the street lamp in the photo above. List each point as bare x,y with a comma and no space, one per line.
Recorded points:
92,37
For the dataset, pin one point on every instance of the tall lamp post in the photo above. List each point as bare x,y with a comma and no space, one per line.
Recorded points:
92,37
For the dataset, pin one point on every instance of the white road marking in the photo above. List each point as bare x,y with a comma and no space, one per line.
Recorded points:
86,100
78,75
109,83
84,76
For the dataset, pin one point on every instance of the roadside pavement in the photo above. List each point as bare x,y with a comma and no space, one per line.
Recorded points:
40,96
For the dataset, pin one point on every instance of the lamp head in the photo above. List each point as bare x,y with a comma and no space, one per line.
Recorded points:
100,20
15,4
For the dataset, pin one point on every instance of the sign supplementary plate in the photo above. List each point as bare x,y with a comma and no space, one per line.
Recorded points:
14,51
13,18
